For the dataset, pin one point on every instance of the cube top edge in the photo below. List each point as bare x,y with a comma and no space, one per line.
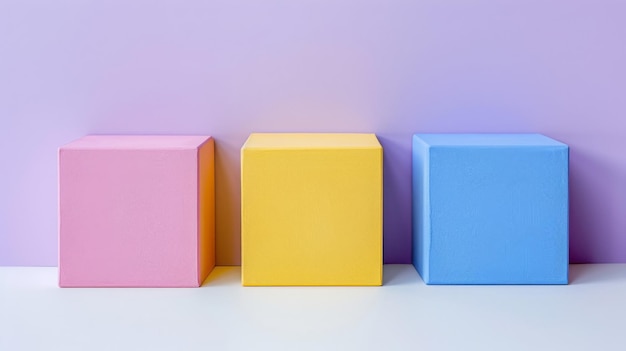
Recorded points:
260,141
137,142
487,140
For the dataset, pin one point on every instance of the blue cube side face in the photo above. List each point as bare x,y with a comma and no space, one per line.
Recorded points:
421,207
498,215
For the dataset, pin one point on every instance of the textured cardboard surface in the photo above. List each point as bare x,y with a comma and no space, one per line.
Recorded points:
312,209
206,210
136,211
490,209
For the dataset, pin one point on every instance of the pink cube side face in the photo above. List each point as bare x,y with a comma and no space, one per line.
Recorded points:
136,211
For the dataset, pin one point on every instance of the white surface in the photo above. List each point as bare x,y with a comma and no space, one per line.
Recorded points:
405,314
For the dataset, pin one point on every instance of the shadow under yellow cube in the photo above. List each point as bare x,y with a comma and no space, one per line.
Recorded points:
311,209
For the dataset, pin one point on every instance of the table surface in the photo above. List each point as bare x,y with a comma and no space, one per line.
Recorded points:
404,314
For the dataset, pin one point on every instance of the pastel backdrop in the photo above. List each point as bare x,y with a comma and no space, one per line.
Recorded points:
227,68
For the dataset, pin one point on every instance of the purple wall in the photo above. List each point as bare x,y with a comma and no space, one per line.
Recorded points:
227,68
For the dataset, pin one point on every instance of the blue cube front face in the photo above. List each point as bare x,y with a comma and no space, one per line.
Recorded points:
490,209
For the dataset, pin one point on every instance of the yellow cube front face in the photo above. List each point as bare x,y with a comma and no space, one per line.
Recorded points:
311,209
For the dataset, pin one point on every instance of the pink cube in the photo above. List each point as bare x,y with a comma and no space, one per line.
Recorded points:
136,211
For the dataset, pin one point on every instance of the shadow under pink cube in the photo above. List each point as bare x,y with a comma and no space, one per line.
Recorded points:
136,211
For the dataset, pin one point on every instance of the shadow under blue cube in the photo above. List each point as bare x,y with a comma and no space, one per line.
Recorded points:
490,209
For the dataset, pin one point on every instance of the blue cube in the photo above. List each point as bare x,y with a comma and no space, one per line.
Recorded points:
490,209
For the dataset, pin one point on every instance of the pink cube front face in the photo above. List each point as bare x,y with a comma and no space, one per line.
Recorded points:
136,211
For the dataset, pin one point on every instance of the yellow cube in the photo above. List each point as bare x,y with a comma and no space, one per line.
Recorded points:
311,209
